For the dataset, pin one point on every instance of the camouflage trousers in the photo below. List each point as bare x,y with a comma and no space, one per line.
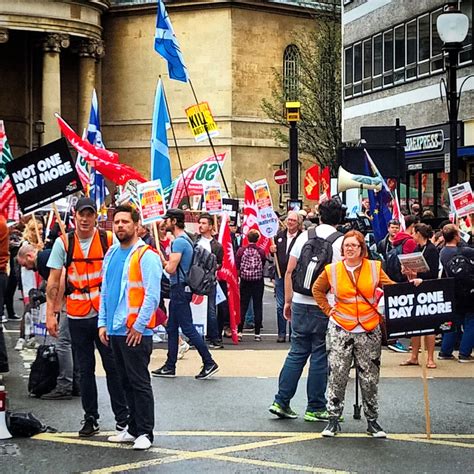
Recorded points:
365,349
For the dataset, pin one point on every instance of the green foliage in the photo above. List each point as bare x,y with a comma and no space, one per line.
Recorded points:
319,91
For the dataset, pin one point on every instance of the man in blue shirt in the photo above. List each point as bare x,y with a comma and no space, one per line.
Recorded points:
180,315
129,297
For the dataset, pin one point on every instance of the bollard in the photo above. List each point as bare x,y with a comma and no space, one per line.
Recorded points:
4,433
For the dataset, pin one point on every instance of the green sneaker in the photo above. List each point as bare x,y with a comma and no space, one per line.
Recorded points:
278,410
321,415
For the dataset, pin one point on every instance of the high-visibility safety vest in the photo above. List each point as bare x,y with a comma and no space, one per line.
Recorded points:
84,276
350,307
136,291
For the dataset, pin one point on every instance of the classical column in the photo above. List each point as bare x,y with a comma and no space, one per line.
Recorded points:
90,50
51,95
4,35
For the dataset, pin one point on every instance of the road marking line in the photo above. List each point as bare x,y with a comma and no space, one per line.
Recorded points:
433,441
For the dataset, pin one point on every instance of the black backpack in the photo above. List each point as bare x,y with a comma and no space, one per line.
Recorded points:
461,268
44,371
392,266
202,273
315,255
25,425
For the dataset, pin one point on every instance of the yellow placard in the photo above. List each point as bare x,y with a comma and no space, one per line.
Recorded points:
199,118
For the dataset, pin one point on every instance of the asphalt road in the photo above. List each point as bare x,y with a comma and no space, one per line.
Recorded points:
223,425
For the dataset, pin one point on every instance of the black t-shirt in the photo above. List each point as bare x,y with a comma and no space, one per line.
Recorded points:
447,253
41,263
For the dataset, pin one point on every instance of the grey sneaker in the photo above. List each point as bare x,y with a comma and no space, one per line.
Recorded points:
57,395
282,412
332,428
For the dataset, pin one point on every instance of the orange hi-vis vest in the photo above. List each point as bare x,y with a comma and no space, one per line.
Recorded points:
136,291
350,307
84,276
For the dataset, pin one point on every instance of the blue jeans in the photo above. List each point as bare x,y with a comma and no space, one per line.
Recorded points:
249,315
467,340
180,317
308,340
212,329
280,303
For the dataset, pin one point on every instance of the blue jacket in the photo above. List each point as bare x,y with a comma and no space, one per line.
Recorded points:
152,270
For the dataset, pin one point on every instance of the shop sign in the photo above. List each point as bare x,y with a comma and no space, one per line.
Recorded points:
425,142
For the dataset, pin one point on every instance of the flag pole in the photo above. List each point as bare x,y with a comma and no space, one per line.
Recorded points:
176,144
210,140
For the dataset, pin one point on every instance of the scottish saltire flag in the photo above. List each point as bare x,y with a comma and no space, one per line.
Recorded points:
379,202
160,158
98,190
166,44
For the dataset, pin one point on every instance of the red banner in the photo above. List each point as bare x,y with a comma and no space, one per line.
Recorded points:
228,273
311,183
104,161
250,219
325,183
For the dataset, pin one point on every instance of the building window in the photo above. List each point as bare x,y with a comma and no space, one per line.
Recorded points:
403,53
291,70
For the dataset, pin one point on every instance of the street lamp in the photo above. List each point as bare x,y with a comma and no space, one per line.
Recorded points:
452,26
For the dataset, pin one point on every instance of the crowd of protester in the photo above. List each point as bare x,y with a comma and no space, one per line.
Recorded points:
318,320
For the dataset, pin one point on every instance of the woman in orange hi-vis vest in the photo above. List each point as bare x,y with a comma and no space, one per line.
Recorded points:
354,331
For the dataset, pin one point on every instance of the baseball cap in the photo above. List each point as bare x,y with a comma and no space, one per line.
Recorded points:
174,213
85,203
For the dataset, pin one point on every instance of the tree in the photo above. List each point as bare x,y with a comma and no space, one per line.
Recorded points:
318,88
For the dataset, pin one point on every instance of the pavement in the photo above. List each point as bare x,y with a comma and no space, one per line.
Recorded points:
223,424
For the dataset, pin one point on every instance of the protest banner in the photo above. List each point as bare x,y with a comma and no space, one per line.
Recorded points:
462,200
152,201
212,198
44,175
200,117
231,207
414,261
419,310
266,217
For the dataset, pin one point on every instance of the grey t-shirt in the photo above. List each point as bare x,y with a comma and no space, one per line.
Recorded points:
57,260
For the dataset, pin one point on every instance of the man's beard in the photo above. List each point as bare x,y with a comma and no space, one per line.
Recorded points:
125,239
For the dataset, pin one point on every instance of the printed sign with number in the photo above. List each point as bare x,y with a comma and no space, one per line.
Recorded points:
212,198
152,201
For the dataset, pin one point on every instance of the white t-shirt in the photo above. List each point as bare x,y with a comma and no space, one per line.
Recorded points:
323,231
205,243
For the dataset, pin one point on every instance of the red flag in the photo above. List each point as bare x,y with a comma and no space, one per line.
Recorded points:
228,273
250,219
8,202
104,161
311,183
325,183
396,212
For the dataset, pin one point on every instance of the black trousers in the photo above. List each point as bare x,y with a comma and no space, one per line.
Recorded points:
251,290
132,365
12,284
3,347
84,339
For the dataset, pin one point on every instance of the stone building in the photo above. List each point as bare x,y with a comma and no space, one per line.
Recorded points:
393,66
53,53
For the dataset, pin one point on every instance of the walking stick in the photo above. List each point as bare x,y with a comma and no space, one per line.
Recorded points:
357,406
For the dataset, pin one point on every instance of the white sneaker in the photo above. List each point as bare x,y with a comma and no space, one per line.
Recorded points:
122,437
4,318
20,344
183,348
157,338
142,443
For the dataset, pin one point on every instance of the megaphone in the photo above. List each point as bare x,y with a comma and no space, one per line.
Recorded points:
346,180
4,433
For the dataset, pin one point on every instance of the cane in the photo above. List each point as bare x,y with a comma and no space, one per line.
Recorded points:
357,406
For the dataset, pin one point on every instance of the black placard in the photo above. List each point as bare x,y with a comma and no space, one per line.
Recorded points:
419,310
43,176
231,206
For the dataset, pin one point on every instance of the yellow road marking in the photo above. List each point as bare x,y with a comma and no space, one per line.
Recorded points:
220,453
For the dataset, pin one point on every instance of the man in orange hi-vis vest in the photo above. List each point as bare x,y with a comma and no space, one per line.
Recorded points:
129,301
82,253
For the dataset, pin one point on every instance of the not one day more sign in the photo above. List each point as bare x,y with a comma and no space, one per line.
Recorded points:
43,176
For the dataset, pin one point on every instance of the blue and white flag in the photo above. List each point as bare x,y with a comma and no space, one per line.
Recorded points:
98,189
166,44
160,158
